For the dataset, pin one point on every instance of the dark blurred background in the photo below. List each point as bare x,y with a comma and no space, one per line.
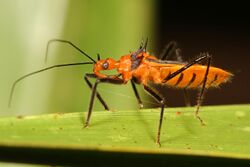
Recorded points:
221,28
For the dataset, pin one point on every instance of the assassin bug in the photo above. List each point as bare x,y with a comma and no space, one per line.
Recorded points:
140,67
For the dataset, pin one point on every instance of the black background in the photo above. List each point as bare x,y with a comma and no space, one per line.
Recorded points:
223,30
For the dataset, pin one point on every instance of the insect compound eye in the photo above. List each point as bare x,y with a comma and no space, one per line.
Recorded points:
105,65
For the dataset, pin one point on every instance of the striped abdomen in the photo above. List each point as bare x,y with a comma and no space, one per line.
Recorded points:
193,76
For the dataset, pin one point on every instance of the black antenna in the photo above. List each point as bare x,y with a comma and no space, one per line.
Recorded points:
38,71
67,42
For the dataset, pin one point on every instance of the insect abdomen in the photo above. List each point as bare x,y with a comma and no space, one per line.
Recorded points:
193,77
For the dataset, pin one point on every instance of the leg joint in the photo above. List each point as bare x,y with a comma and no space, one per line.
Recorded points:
162,102
206,55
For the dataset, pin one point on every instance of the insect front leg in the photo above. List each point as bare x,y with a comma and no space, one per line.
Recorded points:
86,78
95,93
161,101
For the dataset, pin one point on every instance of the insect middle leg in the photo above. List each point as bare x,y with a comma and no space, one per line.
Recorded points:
161,101
137,94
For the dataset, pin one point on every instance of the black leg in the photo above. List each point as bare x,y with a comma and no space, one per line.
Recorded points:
91,103
201,58
185,91
186,98
161,101
94,91
203,89
137,95
97,94
169,51
172,50
204,56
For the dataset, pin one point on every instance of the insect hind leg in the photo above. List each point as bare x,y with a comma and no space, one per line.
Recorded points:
203,89
186,98
203,56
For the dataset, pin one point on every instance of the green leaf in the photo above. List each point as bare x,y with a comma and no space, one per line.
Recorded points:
130,134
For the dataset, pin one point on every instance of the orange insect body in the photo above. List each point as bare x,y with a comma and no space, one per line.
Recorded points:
150,70
190,78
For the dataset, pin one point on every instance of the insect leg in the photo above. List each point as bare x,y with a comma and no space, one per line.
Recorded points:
97,94
201,58
203,89
137,94
94,91
185,91
168,51
161,101
172,50
186,97
204,56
